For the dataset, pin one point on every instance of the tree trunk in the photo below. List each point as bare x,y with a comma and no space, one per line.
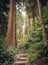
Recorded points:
29,24
42,23
26,31
47,2
10,25
33,16
11,37
20,33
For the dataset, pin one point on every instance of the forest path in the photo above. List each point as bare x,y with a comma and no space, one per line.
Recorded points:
21,59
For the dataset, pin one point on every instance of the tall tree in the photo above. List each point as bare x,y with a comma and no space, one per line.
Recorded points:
31,11
11,35
42,23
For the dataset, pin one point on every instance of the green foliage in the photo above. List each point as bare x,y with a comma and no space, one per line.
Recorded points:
33,45
5,58
11,50
2,44
6,55
45,14
4,9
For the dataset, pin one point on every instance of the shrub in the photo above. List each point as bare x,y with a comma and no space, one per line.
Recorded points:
6,55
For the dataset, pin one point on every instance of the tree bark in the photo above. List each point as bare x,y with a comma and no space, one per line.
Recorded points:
29,25
42,23
33,16
47,2
11,35
10,25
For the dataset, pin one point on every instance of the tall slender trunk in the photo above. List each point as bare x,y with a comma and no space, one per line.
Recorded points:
42,23
29,22
33,16
47,2
26,30
20,33
29,25
11,38
10,25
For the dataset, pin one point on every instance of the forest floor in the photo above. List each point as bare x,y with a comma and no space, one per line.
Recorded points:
40,61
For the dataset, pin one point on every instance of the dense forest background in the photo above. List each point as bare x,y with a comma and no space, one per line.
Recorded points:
30,41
